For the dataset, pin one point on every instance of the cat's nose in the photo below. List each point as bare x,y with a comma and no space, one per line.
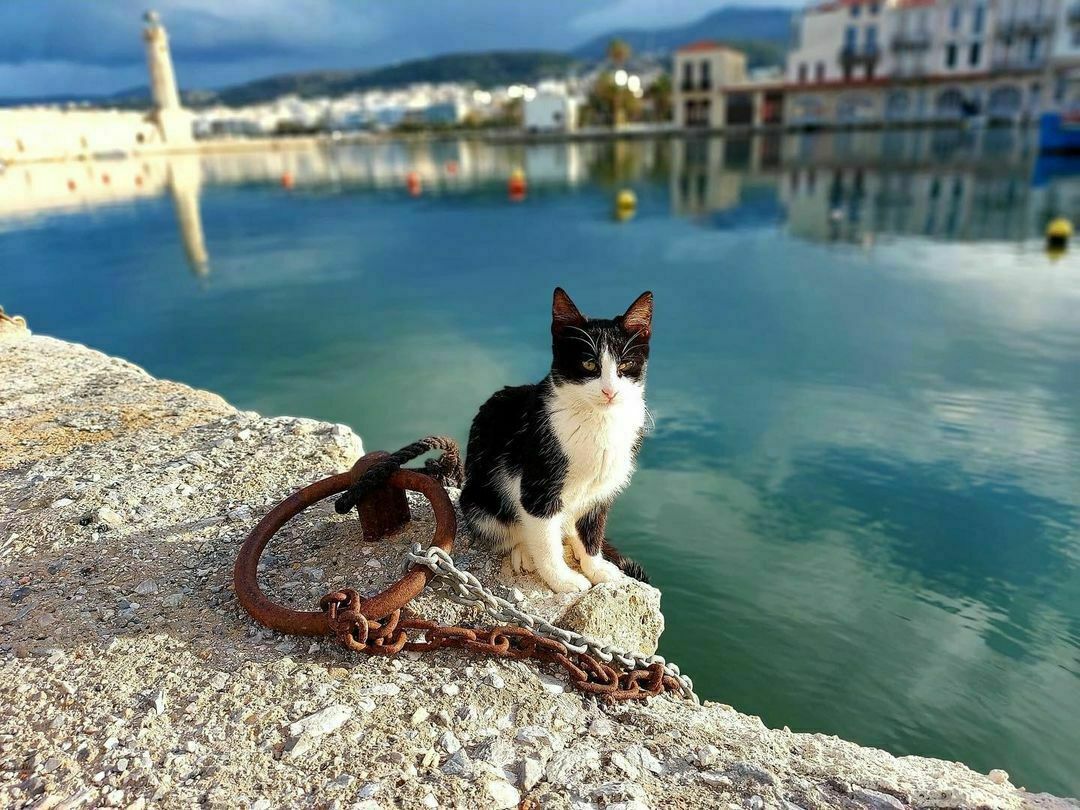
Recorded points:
609,394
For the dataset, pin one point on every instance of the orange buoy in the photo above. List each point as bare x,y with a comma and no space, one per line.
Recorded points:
412,181
451,167
71,185
517,185
287,180
138,179
105,178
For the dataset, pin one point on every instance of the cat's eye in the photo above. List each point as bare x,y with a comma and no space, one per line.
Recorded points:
588,365
626,365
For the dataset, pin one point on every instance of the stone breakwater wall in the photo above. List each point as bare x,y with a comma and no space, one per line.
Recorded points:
130,677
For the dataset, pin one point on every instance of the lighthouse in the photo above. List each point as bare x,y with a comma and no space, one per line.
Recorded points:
172,119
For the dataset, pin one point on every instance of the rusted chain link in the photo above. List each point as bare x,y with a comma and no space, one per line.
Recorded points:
462,587
585,673
375,625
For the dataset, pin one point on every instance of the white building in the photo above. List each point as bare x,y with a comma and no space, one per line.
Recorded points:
701,70
923,60
550,111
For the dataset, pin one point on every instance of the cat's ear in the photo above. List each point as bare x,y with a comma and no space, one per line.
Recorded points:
638,317
564,313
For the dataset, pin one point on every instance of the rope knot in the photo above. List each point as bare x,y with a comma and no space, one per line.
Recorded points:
447,469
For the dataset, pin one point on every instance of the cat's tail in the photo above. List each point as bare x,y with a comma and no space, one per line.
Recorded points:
632,568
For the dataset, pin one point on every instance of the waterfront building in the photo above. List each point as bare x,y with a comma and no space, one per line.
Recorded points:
701,69
1063,79
550,111
878,62
920,61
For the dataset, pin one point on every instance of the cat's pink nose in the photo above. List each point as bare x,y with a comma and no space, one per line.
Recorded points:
609,394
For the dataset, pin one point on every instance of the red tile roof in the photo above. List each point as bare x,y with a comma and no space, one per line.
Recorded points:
705,45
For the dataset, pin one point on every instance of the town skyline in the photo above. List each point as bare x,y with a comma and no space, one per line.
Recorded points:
47,52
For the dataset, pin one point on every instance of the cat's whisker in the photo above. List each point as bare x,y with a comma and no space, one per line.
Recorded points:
592,341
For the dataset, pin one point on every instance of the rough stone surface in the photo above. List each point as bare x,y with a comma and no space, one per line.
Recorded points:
121,696
629,617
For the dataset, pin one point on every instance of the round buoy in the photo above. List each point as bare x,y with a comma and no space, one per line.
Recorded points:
71,185
517,184
451,167
287,180
626,201
412,181
1058,234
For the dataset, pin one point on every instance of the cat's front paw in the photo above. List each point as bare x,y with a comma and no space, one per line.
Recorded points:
568,581
521,561
599,571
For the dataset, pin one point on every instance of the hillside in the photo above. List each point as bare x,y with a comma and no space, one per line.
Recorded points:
485,69
763,32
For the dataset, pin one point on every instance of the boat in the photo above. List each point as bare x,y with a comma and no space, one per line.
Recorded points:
1059,132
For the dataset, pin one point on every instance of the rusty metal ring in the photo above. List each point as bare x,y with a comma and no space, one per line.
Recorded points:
319,623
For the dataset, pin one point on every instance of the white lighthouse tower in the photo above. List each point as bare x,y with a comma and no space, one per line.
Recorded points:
172,119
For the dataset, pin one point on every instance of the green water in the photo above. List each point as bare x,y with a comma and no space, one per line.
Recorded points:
861,498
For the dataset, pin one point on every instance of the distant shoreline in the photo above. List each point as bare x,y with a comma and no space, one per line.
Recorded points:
281,143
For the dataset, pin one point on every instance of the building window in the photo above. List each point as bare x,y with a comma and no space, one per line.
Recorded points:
819,72
706,76
874,8
687,76
975,55
804,73
979,22
1033,49
871,39
950,55
954,18
851,36
1076,36
855,9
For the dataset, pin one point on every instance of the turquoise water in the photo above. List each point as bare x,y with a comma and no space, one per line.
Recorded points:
862,496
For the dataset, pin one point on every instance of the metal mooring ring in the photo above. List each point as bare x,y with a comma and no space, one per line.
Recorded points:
318,623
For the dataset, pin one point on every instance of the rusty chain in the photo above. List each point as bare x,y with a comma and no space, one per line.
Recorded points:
376,625
391,636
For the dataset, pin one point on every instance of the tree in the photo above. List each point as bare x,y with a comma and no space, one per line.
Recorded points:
609,103
659,96
618,51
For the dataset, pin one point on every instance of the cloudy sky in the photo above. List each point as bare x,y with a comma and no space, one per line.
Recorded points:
60,47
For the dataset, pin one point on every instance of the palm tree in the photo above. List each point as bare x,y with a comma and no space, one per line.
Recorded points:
618,52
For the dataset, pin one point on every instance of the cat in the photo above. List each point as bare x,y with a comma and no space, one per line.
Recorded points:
544,462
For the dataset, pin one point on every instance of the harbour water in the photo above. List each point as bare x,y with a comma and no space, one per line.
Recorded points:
861,499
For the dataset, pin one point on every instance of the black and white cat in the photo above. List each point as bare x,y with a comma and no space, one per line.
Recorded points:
545,461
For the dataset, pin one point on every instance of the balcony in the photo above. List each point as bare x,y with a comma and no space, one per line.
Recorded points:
1017,62
703,86
852,56
1024,27
909,42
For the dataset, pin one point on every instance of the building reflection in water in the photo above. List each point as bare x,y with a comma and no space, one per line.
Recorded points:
33,190
185,185
845,186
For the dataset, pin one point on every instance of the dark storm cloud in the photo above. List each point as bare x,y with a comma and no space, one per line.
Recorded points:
91,46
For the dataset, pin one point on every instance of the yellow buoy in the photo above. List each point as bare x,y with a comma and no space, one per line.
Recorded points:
1058,234
626,199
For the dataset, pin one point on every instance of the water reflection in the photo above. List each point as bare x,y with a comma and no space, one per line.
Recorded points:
853,187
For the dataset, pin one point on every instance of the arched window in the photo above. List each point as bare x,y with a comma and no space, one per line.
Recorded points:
949,104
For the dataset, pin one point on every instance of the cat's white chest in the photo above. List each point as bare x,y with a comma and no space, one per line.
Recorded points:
599,448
